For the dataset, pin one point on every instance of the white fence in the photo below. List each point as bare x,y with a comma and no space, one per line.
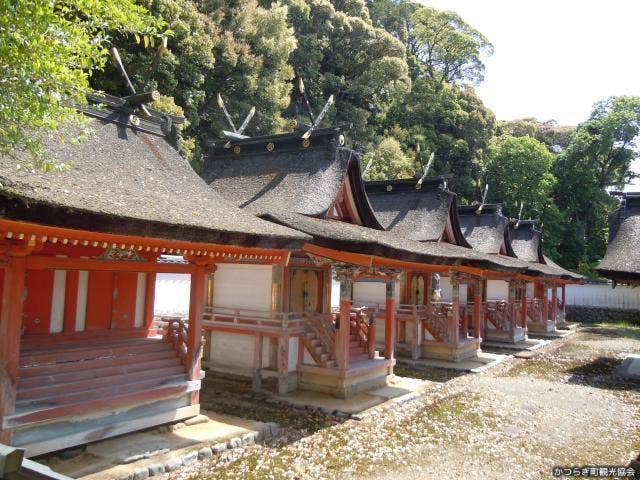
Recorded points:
603,295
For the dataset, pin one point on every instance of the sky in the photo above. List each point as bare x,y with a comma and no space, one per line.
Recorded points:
554,59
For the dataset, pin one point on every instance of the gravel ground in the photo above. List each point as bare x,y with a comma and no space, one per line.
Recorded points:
562,407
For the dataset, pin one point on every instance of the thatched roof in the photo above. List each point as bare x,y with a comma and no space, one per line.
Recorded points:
420,214
130,180
622,260
357,239
526,241
277,173
487,231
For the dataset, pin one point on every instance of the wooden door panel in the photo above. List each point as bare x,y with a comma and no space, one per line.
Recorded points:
305,291
37,305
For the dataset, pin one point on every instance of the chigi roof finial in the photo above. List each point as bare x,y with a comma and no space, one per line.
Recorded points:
236,133
315,121
135,100
519,215
425,172
484,199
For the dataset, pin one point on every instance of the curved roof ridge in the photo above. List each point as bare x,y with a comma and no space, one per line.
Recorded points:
487,230
621,262
417,211
124,179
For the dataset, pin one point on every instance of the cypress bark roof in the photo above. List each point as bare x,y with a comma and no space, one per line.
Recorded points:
278,173
421,213
622,259
526,241
129,179
487,231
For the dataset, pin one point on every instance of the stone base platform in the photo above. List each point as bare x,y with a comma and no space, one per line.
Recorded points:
450,352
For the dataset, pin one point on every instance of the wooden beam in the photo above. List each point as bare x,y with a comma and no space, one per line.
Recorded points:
155,244
10,324
42,262
347,257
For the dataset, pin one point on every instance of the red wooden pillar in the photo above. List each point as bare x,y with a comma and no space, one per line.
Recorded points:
10,324
564,302
523,299
477,310
455,305
344,332
465,317
545,304
554,304
511,301
390,320
194,344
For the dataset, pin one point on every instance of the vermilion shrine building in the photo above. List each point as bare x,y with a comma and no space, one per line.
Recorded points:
79,251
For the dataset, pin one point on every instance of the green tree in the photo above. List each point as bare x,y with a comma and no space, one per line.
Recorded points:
449,48
387,160
598,156
450,121
48,51
236,48
518,169
341,52
555,137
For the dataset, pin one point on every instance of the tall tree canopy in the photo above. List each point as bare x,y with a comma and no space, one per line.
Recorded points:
518,169
341,52
598,156
48,51
238,49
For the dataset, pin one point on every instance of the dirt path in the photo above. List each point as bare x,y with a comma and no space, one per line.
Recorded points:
563,407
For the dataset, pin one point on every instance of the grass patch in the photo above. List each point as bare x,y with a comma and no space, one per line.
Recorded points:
439,375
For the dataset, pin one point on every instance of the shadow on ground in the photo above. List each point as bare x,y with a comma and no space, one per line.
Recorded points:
439,375
234,396
601,373
607,331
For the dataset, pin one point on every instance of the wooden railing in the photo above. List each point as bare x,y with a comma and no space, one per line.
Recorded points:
535,310
255,319
323,326
498,313
178,334
360,322
437,319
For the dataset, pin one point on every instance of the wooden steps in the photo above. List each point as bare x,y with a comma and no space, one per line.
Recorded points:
81,378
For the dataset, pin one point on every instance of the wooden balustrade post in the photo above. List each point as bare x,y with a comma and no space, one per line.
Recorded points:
554,304
345,277
283,363
371,336
390,320
511,306
194,341
545,304
524,306
455,305
416,351
257,361
13,291
477,310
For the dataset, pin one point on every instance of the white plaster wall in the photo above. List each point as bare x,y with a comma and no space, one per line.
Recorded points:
233,350
497,290
335,294
243,286
447,290
172,294
603,295
529,290
373,291
293,354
